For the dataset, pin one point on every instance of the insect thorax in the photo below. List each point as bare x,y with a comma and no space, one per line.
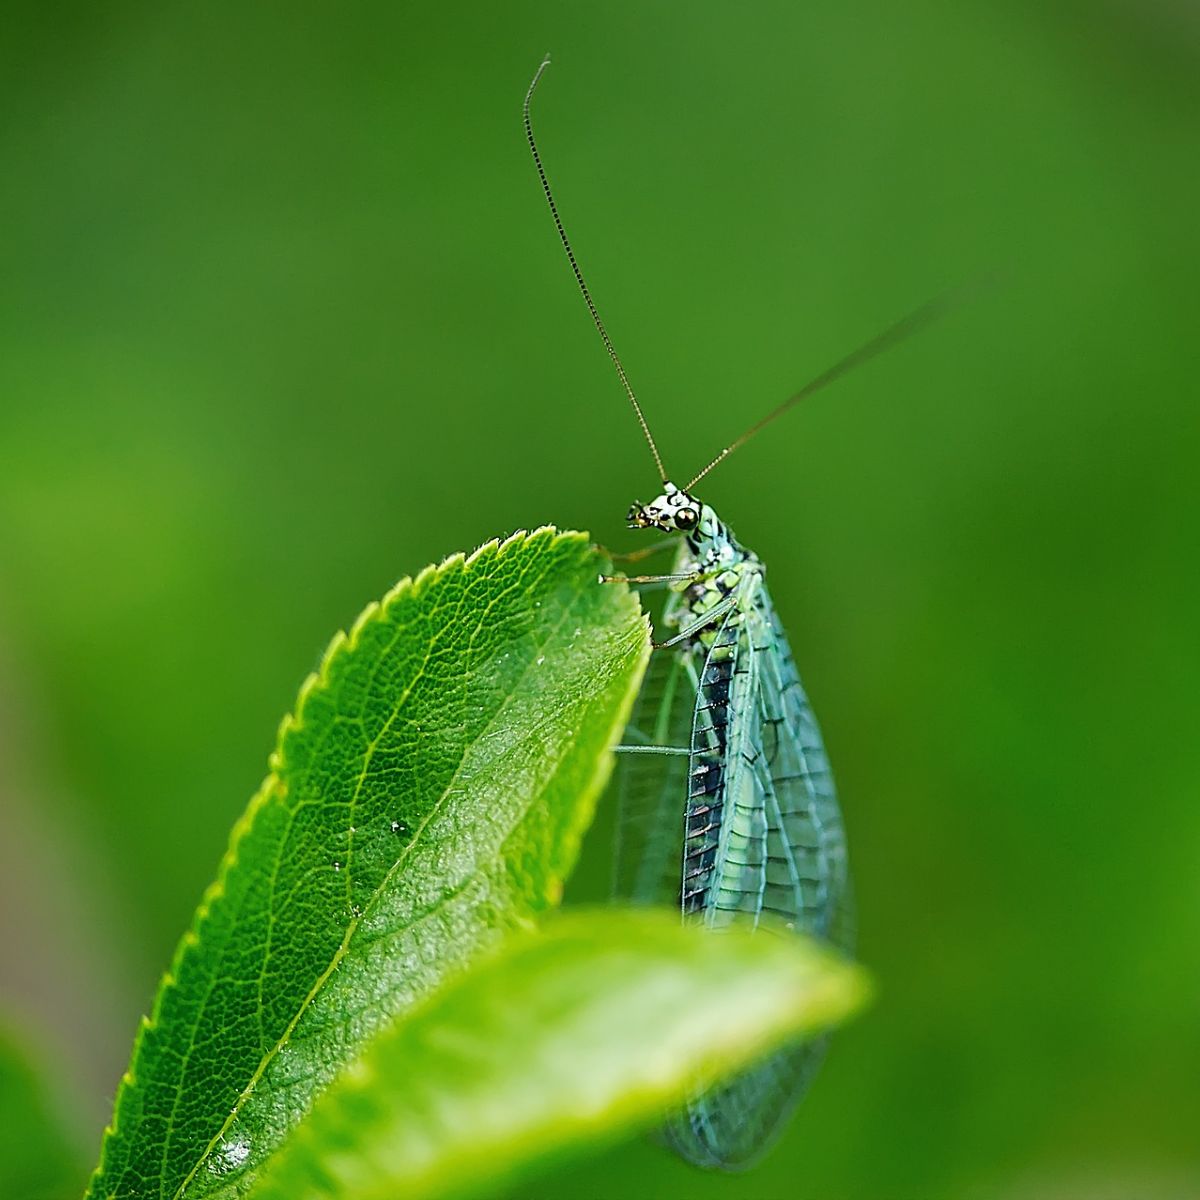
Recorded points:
723,565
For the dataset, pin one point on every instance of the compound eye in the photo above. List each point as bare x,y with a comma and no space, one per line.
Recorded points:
686,518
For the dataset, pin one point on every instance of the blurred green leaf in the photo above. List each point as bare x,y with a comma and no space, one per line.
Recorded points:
39,1160
427,796
565,1037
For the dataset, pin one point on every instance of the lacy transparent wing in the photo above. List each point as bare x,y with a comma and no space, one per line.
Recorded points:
725,846
786,857
809,872
762,833
733,1124
651,787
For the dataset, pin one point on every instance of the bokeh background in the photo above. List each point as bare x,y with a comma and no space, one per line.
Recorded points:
283,317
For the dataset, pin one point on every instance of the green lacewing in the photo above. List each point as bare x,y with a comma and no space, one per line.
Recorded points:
727,803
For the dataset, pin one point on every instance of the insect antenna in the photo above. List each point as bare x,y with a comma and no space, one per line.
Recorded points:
583,287
901,331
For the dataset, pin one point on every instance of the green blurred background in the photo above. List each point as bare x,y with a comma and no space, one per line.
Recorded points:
283,317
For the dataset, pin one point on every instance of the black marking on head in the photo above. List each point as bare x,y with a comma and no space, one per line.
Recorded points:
673,512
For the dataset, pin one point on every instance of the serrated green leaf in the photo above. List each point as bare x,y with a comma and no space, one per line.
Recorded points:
565,1037
39,1159
427,797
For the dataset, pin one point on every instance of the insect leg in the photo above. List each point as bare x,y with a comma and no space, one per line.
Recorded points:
714,615
645,551
691,578
642,744
681,577
652,750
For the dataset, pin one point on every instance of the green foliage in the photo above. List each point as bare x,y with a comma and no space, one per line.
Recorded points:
39,1160
567,1035
361,1008
427,796
280,310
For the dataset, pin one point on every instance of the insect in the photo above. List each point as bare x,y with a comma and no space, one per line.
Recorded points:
727,805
